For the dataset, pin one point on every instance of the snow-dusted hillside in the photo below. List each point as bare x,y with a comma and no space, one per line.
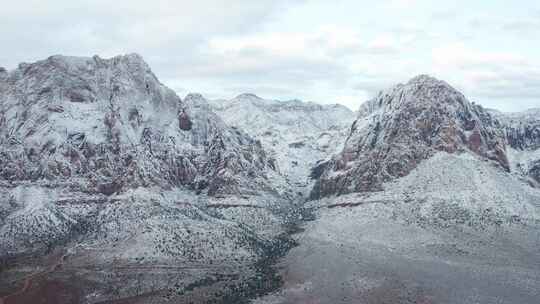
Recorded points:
449,189
113,188
111,124
428,202
104,164
403,126
298,134
426,249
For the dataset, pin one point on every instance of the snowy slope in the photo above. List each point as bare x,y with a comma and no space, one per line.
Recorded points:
147,197
298,134
403,126
112,124
457,229
428,202
454,188
105,164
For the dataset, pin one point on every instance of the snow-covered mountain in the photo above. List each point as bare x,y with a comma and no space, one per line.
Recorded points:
297,134
405,125
111,125
431,200
114,188
105,165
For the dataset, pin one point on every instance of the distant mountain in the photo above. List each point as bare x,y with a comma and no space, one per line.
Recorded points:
298,134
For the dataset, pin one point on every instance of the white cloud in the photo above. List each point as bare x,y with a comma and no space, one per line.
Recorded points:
504,80
317,43
458,55
42,28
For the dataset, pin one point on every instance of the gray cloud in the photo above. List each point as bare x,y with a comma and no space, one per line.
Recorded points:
506,83
33,30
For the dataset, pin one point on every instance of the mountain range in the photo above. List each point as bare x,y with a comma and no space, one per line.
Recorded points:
115,190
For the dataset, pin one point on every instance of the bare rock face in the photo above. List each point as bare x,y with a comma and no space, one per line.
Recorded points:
403,126
184,122
522,129
102,162
522,132
3,76
297,134
534,171
110,124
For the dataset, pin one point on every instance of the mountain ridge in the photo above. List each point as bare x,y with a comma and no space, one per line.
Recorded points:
404,125
102,162
153,194
297,133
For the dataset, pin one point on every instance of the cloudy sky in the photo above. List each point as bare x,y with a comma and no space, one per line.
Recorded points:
323,51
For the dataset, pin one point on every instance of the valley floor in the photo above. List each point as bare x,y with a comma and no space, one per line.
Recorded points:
364,254
359,253
144,246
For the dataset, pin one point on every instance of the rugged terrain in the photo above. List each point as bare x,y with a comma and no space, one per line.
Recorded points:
432,200
522,132
403,126
297,134
115,190
137,192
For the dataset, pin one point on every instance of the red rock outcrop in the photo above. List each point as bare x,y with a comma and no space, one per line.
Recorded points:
403,126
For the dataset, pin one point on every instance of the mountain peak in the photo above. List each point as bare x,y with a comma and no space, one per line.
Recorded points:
119,105
132,56
196,99
87,79
405,125
422,91
426,85
423,78
247,96
132,59
194,96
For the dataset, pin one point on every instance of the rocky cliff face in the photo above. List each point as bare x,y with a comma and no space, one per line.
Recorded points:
297,134
425,179
522,131
110,124
403,126
101,162
135,193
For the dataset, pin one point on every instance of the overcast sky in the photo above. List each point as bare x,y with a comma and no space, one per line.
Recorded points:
322,51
